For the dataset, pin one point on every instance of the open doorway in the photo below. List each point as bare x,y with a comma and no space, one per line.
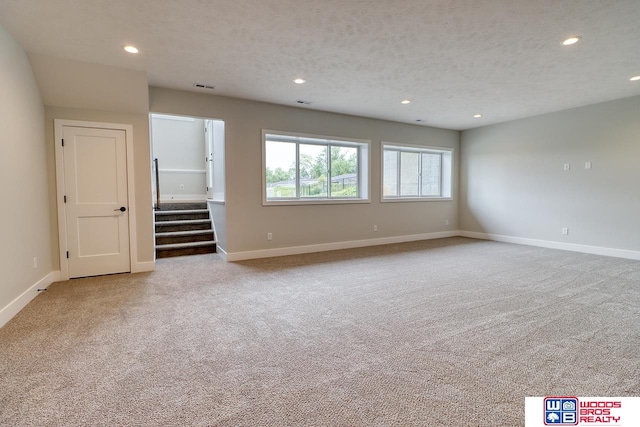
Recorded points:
188,170
188,155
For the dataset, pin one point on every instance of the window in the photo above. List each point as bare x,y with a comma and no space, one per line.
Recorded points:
415,173
301,169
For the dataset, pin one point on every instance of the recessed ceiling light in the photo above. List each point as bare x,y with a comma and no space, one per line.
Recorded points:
131,49
477,116
405,101
635,78
571,40
299,81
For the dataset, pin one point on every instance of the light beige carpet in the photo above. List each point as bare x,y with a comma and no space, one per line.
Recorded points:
451,332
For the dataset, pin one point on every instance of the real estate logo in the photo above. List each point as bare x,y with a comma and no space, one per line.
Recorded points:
561,411
582,411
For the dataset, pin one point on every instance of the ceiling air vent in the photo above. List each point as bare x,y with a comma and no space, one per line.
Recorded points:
300,101
204,86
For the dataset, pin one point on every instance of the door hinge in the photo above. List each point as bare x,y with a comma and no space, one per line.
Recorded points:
63,142
67,254
65,199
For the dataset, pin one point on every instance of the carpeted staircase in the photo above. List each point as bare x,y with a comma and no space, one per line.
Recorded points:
183,229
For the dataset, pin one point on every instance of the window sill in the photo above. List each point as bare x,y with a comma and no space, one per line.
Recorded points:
314,202
416,199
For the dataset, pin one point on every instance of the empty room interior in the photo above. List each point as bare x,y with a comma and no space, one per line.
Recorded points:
284,213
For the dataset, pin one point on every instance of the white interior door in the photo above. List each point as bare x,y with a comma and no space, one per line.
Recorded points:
97,215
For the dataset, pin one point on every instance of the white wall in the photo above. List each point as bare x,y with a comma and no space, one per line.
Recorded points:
179,145
513,182
247,221
24,215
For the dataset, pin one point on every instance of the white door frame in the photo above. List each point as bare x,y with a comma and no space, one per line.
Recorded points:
60,190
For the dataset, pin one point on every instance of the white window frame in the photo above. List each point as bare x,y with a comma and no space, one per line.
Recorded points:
446,172
364,161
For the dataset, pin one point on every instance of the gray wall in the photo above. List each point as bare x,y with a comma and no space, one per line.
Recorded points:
512,180
24,216
248,221
75,90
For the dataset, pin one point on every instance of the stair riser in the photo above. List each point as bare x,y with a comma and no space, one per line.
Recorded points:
181,206
165,228
166,240
182,217
166,253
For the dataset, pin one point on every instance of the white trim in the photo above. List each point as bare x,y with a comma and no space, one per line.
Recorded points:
403,199
142,267
182,171
296,136
364,155
11,309
222,253
296,250
172,117
445,166
574,247
311,201
62,225
322,247
213,224
416,148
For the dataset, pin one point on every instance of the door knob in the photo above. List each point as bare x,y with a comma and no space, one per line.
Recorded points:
121,209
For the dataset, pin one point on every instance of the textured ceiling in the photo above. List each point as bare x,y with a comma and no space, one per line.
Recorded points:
452,58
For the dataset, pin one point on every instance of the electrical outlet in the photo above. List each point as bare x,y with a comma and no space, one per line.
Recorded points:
269,236
375,228
565,230
567,166
587,165
182,186
35,262
446,222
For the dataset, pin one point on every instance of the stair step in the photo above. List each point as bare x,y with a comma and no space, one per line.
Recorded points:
186,245
182,212
170,238
183,233
166,227
183,222
183,229
181,206
179,216
198,250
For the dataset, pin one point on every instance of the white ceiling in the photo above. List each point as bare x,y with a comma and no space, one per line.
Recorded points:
452,58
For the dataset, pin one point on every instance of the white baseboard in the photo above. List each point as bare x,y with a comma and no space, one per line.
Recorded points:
222,253
296,250
595,250
11,309
141,267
